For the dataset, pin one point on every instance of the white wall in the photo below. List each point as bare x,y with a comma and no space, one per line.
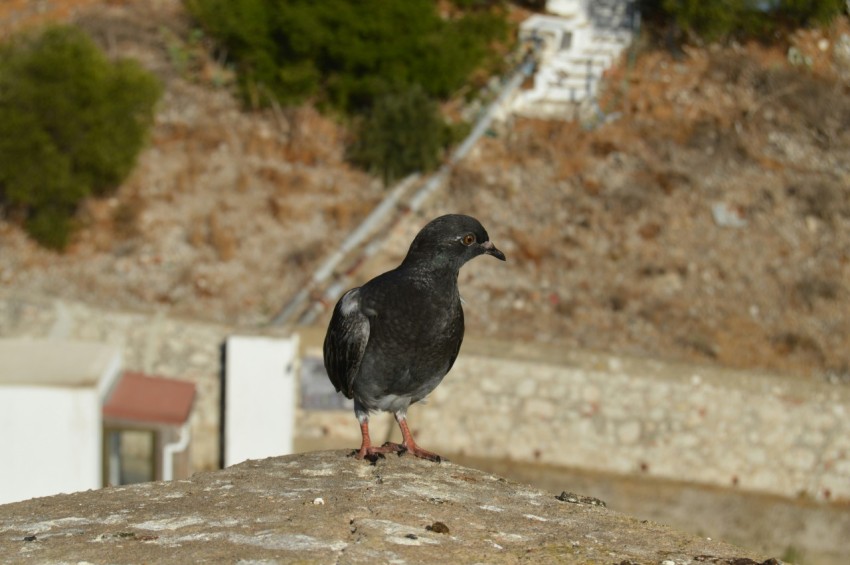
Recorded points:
50,441
566,7
259,392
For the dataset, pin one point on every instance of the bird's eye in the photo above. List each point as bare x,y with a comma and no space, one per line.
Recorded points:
468,239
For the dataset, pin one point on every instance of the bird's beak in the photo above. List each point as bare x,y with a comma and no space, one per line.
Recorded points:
490,249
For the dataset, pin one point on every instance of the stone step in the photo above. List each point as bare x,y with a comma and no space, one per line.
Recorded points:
577,49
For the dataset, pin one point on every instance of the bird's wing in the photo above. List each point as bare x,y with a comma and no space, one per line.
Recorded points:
459,341
345,342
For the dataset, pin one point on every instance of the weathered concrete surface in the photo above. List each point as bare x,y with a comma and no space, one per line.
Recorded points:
325,507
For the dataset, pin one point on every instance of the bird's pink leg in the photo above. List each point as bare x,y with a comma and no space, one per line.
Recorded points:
367,450
410,445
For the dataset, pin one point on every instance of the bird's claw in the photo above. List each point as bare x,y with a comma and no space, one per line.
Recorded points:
423,454
372,453
369,455
415,450
391,447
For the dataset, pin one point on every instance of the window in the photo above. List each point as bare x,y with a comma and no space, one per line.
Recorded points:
130,456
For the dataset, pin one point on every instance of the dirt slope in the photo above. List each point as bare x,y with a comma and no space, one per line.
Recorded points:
708,220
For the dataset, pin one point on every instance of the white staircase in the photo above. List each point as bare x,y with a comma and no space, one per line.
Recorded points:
574,43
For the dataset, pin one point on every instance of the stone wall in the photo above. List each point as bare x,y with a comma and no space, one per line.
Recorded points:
526,403
755,432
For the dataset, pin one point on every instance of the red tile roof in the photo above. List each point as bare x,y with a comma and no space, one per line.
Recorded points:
157,400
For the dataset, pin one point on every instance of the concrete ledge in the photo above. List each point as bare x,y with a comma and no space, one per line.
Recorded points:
325,507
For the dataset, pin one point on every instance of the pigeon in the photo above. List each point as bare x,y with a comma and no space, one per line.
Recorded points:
391,341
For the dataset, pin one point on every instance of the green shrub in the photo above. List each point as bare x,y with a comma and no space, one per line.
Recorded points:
402,134
712,20
380,62
347,53
805,12
71,125
709,19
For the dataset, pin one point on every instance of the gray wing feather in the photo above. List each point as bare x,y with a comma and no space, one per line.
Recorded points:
345,342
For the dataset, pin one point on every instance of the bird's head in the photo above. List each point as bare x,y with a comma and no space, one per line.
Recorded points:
450,241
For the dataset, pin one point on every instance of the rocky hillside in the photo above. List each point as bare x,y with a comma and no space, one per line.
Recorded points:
706,218
227,211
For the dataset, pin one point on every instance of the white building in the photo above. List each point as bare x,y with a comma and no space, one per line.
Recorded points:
259,397
70,420
51,426
576,41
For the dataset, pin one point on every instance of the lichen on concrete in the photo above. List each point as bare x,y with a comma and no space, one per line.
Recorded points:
326,507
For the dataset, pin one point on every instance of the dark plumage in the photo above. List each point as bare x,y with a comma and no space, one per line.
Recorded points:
391,341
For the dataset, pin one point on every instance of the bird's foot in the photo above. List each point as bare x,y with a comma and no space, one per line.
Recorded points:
391,447
417,451
409,444
372,453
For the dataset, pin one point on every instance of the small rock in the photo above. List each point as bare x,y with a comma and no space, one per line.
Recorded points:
727,216
579,499
438,527
30,538
798,58
319,501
